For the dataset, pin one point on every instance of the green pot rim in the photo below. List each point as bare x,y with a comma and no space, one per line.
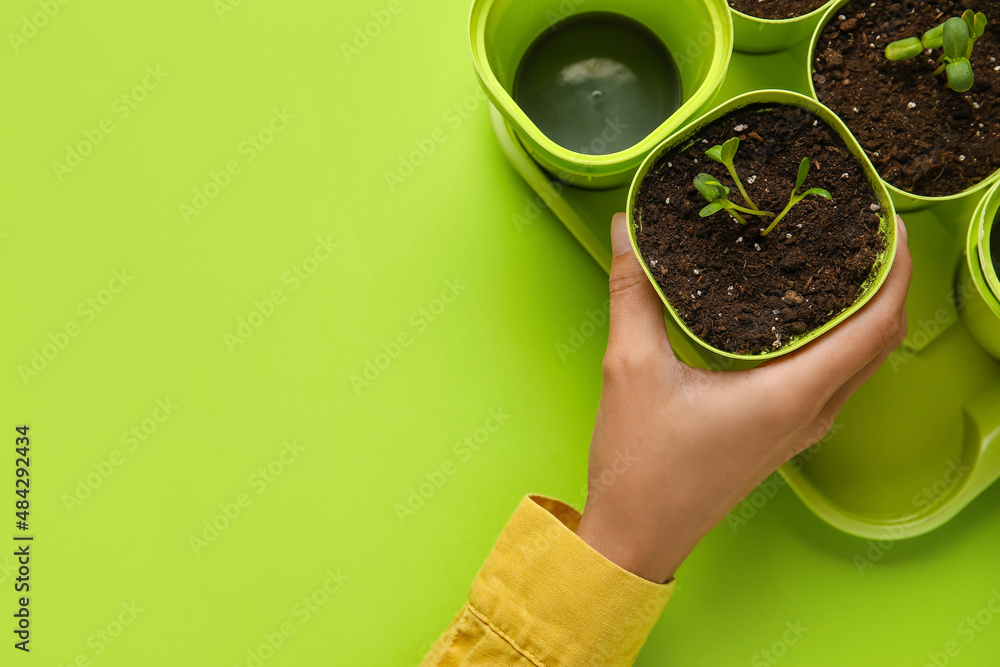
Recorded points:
984,275
911,201
888,213
597,166
794,19
990,207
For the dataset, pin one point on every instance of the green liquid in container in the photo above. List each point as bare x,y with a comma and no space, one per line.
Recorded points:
598,83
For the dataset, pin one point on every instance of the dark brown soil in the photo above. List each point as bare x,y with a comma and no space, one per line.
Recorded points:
922,136
776,9
736,290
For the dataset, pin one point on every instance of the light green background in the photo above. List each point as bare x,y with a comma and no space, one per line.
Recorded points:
333,507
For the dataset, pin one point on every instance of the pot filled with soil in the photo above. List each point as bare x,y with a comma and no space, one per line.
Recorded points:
591,87
978,281
762,225
923,101
774,25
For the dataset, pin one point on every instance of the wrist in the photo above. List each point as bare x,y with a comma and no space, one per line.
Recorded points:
644,553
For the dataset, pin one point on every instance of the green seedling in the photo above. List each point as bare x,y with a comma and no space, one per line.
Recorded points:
717,195
726,154
796,198
957,36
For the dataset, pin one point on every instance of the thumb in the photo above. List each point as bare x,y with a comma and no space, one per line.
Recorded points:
636,310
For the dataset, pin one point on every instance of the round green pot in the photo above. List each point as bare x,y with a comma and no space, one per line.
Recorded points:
757,35
698,33
987,228
978,285
888,214
905,201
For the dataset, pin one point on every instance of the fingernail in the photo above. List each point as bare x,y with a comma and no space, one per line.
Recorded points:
902,228
620,241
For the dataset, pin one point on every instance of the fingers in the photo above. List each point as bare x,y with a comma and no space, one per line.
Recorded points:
637,328
859,345
840,398
827,417
842,395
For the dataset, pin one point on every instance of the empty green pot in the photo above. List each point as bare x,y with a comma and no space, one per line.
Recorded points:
888,213
905,201
698,34
978,285
988,229
757,35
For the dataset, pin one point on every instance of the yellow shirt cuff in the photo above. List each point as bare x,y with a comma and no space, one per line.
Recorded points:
555,599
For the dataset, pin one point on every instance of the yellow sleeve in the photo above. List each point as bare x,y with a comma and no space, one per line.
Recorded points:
546,598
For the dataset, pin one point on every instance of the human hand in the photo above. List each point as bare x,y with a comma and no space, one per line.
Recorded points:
682,446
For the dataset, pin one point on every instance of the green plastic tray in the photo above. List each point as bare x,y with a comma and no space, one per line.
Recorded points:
922,439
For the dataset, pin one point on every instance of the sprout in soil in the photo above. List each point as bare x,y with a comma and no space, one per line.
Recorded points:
796,198
957,36
718,196
725,154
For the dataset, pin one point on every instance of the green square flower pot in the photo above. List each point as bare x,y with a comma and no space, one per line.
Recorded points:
888,216
698,33
978,284
905,201
987,216
756,35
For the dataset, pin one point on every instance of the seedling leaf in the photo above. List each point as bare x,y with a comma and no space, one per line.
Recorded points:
933,38
904,49
726,154
730,148
956,38
969,17
703,182
795,198
979,28
960,76
717,195
825,194
711,209
803,173
722,188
